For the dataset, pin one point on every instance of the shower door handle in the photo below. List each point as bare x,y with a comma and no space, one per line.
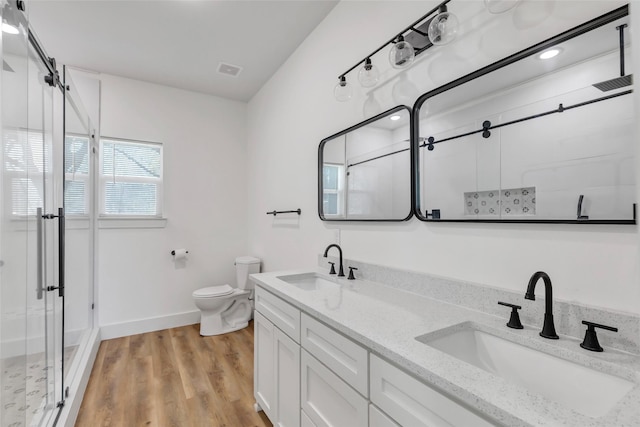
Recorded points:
60,218
61,252
40,289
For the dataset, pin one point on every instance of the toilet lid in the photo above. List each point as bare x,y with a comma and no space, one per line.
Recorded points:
213,291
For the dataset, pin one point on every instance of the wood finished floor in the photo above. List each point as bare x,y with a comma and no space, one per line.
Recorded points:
171,378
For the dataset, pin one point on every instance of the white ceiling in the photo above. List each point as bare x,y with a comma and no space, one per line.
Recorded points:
178,43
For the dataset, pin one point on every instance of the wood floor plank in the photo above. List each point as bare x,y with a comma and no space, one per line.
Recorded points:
142,405
171,378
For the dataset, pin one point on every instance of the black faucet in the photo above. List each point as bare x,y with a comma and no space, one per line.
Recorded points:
326,251
548,329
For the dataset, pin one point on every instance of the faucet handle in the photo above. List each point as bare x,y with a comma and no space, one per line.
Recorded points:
333,268
590,341
351,276
514,320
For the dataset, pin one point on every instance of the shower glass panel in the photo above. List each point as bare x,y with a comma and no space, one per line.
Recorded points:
30,316
78,200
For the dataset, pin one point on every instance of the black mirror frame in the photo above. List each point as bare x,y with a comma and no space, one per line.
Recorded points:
532,50
357,126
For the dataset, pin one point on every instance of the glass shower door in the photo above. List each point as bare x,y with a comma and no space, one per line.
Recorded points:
30,314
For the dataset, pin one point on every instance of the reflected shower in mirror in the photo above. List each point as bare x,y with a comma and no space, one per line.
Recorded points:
546,135
364,172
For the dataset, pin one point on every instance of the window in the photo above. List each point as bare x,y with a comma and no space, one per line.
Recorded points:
130,178
332,189
26,159
76,175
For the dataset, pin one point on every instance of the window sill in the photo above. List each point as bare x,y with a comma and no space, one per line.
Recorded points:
131,222
29,224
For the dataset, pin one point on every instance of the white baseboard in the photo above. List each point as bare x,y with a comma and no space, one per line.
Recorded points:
134,327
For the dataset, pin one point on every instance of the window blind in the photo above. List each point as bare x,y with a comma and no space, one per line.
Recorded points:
77,183
131,178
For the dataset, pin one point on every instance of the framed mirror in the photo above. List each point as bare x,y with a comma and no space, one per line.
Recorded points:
364,172
545,135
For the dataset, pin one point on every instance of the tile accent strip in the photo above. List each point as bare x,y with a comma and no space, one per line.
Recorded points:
510,201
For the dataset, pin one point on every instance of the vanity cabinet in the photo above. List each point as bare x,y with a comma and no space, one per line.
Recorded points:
329,401
412,403
277,361
307,374
347,359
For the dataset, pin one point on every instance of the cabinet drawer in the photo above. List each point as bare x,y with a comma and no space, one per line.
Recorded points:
327,400
280,313
378,419
344,357
413,403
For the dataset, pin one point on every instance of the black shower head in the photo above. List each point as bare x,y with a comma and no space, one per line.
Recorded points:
616,83
623,80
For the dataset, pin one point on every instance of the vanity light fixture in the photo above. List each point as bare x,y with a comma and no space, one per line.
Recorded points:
8,28
342,91
368,74
548,54
401,54
443,27
436,27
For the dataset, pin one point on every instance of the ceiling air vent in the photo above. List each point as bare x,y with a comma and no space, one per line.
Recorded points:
229,70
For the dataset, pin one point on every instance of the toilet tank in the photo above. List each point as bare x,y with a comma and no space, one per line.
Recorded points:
246,265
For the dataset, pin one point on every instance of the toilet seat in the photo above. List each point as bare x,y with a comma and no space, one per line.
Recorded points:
213,291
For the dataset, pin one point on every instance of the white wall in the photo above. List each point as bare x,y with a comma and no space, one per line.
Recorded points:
596,265
205,204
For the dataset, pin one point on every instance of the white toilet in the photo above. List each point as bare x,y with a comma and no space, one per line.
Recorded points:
224,308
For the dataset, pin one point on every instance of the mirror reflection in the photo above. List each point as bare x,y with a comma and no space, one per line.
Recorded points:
546,138
365,171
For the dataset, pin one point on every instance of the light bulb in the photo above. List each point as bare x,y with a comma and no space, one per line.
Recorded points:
401,54
368,75
500,6
342,91
371,106
9,29
443,27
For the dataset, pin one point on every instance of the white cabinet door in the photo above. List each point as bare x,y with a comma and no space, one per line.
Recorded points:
327,400
264,381
276,373
412,403
378,419
287,374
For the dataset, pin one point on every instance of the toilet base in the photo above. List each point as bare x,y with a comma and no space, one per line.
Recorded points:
236,316
209,331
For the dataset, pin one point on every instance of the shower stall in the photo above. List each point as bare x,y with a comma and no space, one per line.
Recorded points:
47,233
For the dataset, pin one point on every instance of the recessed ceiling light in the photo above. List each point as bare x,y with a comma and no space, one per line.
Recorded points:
548,54
9,29
395,117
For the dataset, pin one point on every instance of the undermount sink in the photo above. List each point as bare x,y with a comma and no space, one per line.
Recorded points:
587,391
309,281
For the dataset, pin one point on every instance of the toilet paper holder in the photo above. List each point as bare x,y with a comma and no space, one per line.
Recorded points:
174,252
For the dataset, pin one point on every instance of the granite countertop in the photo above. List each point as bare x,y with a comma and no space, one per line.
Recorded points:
387,321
